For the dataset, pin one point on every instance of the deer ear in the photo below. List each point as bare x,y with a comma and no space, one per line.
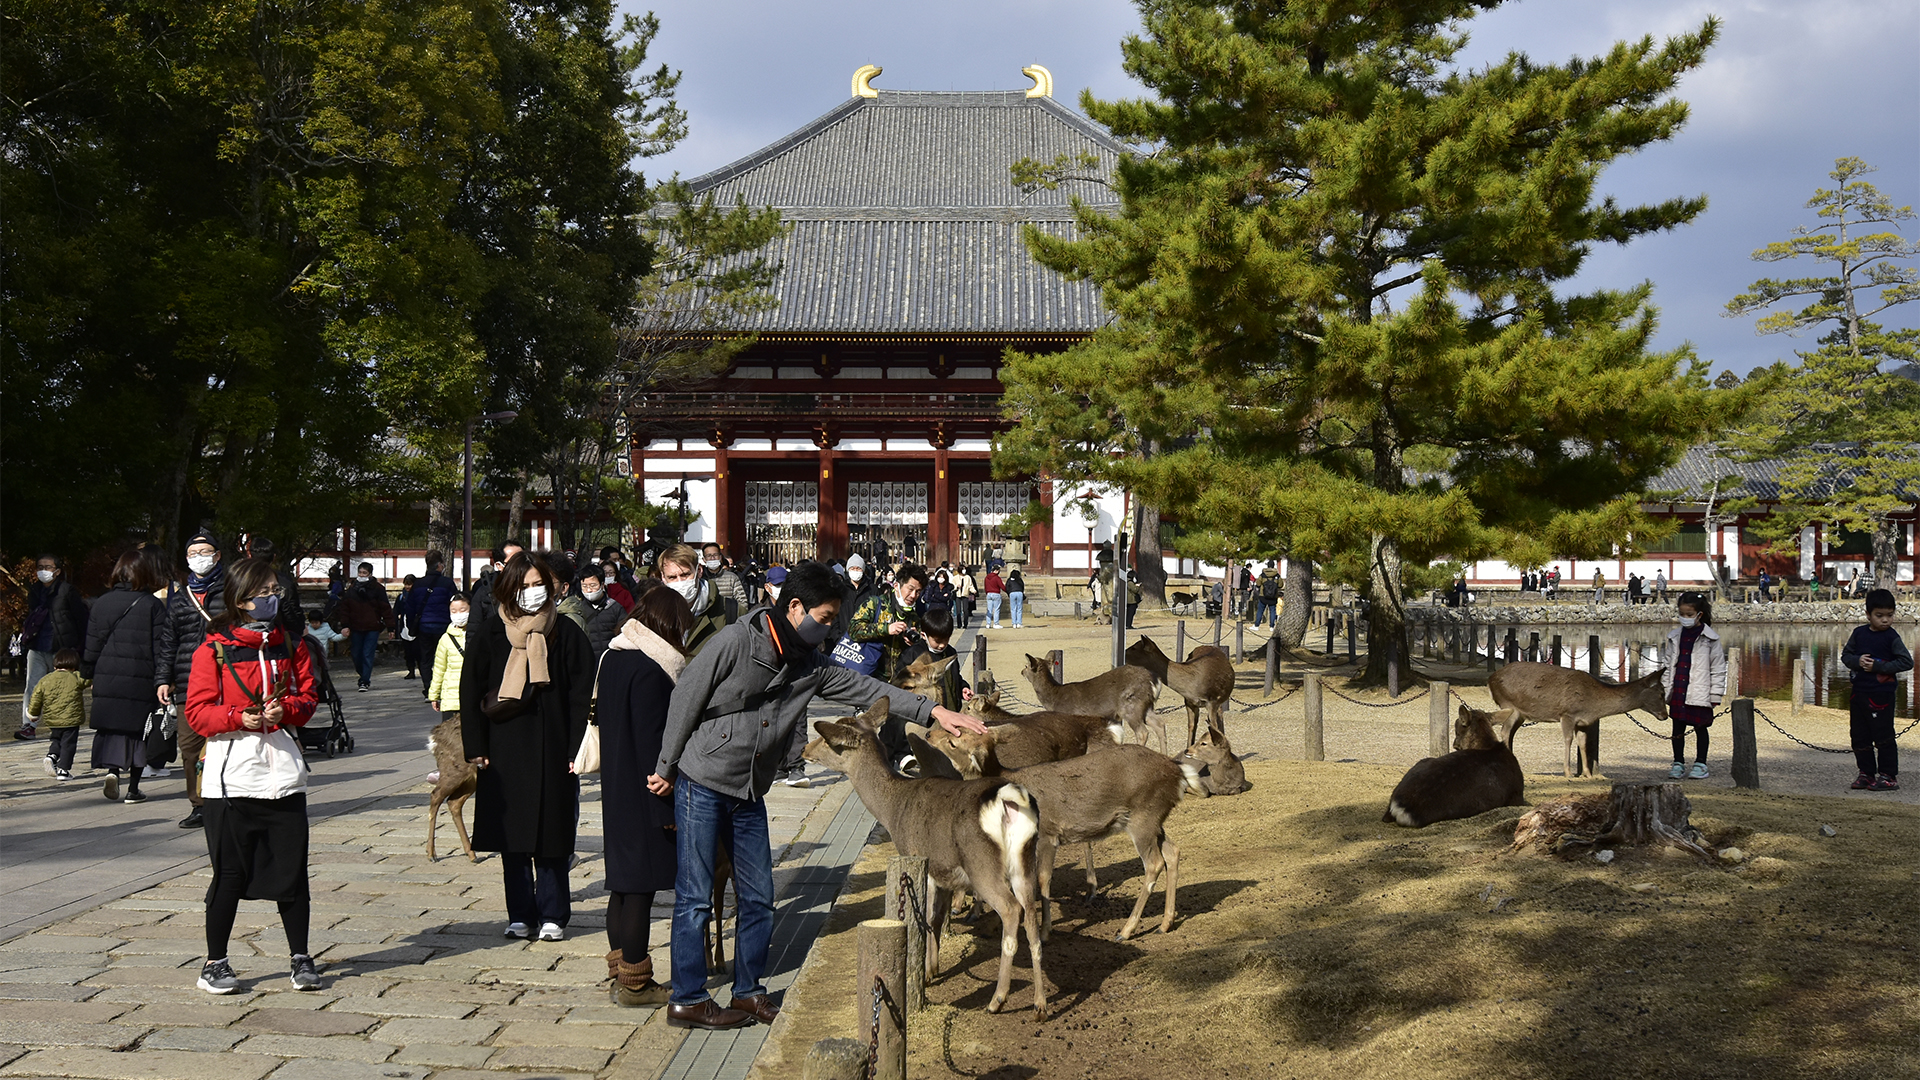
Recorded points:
1466,714
939,668
839,737
875,715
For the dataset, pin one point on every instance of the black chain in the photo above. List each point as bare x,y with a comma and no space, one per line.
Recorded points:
1803,742
1636,723
910,899
873,1041
1377,705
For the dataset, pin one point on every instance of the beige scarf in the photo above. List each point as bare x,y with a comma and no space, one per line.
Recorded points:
636,637
527,664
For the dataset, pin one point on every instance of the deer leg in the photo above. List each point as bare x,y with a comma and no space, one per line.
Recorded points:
1093,882
1567,736
433,820
1004,904
1157,726
1172,856
1216,720
1193,722
939,899
458,807
1150,862
1048,849
1039,976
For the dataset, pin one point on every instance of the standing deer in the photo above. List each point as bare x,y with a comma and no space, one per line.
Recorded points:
1542,692
1124,694
1207,681
1479,775
1126,789
1044,736
975,834
457,780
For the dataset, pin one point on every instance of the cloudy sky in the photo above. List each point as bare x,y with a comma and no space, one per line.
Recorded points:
1792,85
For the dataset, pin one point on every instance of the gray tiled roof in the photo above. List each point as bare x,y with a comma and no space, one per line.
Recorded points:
1692,477
906,219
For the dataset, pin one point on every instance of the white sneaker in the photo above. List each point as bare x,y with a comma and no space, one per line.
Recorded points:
517,929
47,764
797,778
551,932
1698,772
160,772
1679,770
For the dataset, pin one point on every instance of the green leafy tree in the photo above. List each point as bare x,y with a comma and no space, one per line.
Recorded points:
1339,248
1843,424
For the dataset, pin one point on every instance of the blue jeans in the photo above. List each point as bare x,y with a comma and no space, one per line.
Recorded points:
993,608
1268,610
1017,599
39,663
364,644
701,817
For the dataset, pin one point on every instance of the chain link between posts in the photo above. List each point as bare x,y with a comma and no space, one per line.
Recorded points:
1410,699
873,1041
910,899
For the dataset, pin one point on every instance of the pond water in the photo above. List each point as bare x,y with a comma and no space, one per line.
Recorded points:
1762,655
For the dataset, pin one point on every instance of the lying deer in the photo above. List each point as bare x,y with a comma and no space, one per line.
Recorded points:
1127,789
457,780
975,834
1220,771
1542,692
1478,776
1124,695
1207,682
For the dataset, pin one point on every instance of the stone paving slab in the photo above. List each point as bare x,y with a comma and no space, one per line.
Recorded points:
63,1032
306,1022
146,1065
18,991
575,1058
347,1070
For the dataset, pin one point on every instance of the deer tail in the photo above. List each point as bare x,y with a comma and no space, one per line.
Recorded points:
1011,820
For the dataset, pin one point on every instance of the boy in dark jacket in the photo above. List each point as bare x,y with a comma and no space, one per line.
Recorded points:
733,711
1876,656
365,608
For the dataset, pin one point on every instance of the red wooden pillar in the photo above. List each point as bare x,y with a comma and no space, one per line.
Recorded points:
723,488
831,533
1040,537
940,532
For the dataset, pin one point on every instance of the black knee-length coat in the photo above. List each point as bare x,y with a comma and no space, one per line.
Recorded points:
123,634
527,801
632,712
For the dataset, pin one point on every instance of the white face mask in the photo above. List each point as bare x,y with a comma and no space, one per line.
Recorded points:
458,618
854,575
201,564
592,595
773,592
711,564
532,598
45,576
1688,620
366,577
687,588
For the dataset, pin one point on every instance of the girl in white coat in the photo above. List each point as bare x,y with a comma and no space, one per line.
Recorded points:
1694,663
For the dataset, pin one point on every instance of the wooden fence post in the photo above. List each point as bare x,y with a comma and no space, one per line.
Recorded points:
1239,642
1493,644
1556,650
979,654
1353,636
1513,644
1273,661
1180,639
1799,697
1746,752
1058,661
883,956
1593,655
913,868
1439,724
1316,733
1533,646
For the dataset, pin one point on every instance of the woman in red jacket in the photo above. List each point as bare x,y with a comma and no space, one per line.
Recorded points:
247,687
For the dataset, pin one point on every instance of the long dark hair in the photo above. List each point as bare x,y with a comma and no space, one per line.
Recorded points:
506,584
244,578
662,611
136,570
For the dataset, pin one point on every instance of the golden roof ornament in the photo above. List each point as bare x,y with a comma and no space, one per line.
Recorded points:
1042,81
863,81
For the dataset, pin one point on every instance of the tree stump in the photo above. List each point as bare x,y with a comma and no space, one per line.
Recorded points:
1636,815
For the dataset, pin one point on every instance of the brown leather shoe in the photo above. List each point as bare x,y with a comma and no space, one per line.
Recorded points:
708,1014
759,1006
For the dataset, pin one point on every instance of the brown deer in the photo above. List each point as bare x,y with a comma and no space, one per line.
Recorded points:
1124,694
975,834
1126,789
1478,776
457,780
1206,682
1543,692
1046,736
1220,771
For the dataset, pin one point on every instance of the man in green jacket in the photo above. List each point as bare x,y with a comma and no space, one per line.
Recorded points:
887,617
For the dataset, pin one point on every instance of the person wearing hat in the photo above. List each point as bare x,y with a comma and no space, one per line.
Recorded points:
859,585
189,611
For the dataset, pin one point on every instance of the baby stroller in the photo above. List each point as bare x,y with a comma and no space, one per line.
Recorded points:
331,736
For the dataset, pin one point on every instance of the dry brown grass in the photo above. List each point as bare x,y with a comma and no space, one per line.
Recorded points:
1316,941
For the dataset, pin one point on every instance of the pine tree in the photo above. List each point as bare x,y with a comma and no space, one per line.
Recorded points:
1334,286
1844,424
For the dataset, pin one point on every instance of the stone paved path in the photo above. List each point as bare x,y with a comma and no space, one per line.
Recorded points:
102,930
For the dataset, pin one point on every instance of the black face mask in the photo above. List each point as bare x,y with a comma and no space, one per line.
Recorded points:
813,632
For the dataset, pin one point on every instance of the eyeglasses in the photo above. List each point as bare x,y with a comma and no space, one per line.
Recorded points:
275,591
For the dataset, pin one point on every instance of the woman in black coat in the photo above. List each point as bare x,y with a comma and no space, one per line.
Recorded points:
122,658
527,801
635,682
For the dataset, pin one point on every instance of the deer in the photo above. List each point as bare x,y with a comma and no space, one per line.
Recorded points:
1480,774
1220,772
1044,736
1084,799
1542,692
978,834
456,783
1207,682
1124,695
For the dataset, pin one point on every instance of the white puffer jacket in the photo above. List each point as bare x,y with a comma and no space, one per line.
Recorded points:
1707,679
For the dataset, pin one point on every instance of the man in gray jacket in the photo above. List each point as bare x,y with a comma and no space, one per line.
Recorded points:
732,713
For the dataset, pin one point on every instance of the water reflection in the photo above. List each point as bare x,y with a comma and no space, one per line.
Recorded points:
1762,656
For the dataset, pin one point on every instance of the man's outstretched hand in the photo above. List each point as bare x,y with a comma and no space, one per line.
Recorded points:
957,723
